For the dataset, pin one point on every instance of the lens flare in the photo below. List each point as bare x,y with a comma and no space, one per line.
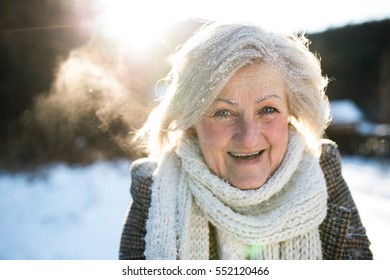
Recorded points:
138,24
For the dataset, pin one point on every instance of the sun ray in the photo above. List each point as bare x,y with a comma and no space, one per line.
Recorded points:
139,24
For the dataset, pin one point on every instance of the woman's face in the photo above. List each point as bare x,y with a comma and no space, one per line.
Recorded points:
244,134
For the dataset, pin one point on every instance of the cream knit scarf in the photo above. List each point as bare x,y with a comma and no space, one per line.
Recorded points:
279,220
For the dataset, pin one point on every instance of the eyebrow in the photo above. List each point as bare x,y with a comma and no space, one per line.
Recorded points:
258,100
228,101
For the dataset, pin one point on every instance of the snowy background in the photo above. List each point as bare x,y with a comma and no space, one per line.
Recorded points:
77,213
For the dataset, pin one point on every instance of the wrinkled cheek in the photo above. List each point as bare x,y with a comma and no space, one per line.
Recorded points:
213,141
214,158
277,136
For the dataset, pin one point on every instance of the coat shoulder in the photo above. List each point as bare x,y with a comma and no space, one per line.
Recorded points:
143,167
329,150
142,171
342,234
330,161
132,244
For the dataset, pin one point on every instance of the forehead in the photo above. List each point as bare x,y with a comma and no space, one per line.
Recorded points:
257,79
257,74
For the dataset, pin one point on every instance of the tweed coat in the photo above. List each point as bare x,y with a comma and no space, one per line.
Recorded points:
342,233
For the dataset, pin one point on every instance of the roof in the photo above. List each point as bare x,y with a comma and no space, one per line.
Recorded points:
345,112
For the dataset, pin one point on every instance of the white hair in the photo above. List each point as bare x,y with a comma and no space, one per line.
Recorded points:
209,59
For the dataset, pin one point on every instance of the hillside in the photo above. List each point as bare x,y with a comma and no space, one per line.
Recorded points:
357,59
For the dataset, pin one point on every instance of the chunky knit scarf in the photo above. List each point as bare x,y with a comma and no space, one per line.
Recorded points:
279,220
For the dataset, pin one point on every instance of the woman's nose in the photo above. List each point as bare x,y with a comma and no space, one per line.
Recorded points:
249,134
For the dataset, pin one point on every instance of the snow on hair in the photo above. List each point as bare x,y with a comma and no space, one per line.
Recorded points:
209,59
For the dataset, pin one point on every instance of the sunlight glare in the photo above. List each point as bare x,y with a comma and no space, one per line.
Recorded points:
139,24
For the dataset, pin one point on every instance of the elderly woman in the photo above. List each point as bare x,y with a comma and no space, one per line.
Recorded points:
237,168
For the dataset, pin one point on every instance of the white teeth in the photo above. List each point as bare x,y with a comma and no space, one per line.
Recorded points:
244,155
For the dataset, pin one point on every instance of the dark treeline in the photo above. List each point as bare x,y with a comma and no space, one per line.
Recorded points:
357,59
69,95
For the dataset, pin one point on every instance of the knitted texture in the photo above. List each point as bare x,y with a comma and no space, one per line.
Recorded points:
279,220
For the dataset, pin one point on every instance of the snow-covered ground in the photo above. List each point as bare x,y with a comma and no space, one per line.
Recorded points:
77,213
369,181
64,213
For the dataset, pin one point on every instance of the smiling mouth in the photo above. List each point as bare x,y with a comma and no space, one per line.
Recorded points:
246,156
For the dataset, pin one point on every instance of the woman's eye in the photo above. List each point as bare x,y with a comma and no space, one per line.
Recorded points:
268,110
223,113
